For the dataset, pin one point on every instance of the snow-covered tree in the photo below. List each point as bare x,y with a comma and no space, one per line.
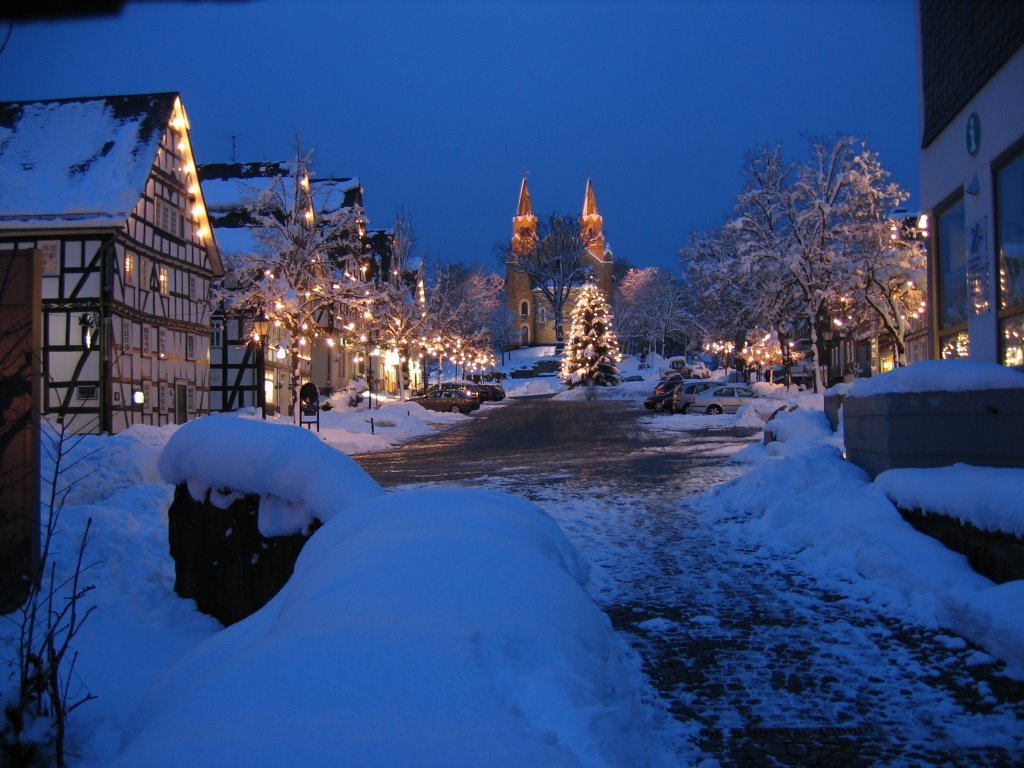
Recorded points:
592,352
555,260
886,260
649,309
303,272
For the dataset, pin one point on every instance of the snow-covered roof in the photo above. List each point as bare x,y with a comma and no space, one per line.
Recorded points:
228,186
78,162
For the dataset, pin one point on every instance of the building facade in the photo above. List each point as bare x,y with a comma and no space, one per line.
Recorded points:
105,190
534,320
972,176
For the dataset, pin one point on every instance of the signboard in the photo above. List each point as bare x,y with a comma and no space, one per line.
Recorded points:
309,405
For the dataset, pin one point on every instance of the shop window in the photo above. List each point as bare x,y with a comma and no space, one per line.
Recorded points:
1010,232
951,261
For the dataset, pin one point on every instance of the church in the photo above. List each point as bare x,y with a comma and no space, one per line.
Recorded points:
534,320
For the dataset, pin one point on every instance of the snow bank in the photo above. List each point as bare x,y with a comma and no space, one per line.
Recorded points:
430,627
939,376
805,502
297,476
988,498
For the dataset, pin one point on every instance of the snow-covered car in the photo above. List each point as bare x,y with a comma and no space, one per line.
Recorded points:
699,370
453,400
684,396
725,399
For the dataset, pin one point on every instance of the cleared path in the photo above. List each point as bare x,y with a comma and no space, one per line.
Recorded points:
761,665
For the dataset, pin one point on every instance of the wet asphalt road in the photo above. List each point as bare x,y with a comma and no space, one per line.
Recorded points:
760,666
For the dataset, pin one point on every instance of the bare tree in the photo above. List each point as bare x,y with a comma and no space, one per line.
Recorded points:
555,260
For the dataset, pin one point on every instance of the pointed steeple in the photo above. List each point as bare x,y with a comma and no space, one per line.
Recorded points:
589,201
525,209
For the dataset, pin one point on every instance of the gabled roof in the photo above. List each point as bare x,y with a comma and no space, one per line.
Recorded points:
228,186
78,162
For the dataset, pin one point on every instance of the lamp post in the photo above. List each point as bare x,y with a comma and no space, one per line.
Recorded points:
828,333
784,339
261,327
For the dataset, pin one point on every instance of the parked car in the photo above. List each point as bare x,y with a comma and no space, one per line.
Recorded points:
453,400
724,399
684,396
467,387
667,385
661,401
699,370
493,392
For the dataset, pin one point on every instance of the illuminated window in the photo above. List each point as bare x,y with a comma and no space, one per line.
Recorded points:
1010,216
129,268
164,281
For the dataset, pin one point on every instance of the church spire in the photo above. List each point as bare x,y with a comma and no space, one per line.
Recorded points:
589,201
525,209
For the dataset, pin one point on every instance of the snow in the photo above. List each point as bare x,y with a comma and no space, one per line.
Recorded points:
454,626
940,376
81,159
989,498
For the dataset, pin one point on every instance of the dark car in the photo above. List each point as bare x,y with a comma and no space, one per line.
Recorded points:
453,400
473,390
661,401
493,392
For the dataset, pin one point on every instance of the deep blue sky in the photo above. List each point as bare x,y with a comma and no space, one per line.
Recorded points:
439,106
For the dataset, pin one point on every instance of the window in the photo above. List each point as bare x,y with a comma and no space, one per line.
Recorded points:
50,262
129,268
169,218
951,262
190,347
163,343
164,281
1010,233
217,333
524,309
147,340
192,287
126,335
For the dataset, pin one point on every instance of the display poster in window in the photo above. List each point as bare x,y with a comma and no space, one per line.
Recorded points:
979,272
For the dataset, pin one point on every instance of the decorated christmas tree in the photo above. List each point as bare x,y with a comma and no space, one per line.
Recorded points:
592,352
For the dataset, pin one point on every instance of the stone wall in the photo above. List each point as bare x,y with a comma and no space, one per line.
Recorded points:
221,559
999,556
934,429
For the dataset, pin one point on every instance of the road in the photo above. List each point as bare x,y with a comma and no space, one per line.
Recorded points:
746,652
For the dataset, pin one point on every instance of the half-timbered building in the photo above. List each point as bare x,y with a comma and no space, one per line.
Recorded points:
104,191
243,373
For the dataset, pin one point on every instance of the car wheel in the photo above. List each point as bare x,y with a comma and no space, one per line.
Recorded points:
455,409
714,410
686,408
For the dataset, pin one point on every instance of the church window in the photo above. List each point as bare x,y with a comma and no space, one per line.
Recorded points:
524,309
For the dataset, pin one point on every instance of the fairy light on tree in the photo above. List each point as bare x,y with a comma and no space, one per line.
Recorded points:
592,353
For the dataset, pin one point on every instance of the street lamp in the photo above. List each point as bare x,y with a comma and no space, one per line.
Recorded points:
261,327
828,333
784,339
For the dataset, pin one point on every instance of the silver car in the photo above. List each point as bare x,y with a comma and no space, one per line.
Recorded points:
684,396
724,399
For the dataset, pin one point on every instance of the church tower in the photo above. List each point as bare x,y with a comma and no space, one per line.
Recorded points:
517,284
592,226
532,312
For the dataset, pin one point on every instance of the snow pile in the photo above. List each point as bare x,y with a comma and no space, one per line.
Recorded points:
297,477
430,627
803,501
988,498
940,376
